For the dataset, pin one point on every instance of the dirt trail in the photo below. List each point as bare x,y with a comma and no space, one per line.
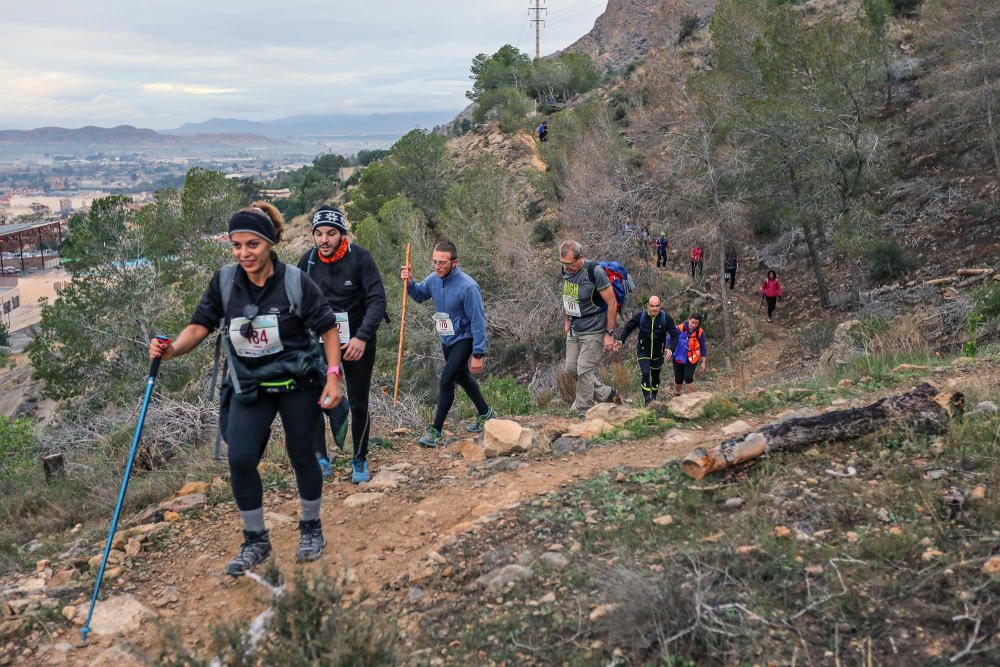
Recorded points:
529,143
377,543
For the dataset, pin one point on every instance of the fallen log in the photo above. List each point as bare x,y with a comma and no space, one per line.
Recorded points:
925,409
969,282
968,273
940,282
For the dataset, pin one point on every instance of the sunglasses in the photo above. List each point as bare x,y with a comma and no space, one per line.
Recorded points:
249,312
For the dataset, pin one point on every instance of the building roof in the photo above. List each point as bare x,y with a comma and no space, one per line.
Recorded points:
9,230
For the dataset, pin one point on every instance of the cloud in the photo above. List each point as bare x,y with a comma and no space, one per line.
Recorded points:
155,64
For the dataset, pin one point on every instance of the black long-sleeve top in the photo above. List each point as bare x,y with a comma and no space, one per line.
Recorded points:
351,285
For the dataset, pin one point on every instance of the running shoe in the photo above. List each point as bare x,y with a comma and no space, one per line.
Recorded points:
359,472
480,423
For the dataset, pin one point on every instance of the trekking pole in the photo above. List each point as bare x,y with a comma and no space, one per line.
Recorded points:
211,393
154,368
761,304
402,330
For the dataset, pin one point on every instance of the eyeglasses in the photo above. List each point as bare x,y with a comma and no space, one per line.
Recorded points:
569,263
249,312
441,262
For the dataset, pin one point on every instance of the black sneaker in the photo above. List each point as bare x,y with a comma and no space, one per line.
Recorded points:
311,541
255,550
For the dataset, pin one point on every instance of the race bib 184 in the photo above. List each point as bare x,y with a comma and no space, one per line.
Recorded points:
264,339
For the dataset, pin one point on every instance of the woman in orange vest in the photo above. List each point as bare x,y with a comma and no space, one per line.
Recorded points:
688,344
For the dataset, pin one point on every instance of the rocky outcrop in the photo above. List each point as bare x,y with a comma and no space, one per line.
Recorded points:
628,29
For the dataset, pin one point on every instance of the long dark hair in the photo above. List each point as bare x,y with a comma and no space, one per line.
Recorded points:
772,273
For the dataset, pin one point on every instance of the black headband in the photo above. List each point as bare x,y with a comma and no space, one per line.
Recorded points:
254,221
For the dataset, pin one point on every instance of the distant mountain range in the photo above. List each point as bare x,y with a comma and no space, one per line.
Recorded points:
321,125
126,135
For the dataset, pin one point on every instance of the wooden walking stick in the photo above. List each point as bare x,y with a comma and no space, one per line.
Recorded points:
402,330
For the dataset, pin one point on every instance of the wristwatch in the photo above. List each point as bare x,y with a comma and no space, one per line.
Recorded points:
335,370
478,355
610,332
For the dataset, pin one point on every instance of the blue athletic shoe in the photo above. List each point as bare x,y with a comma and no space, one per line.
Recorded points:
325,466
360,472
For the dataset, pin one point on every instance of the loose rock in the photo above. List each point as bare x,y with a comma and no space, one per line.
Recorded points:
690,406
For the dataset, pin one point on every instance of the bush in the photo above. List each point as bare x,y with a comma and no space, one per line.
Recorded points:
4,335
509,396
889,261
764,219
689,24
906,7
987,301
17,446
817,337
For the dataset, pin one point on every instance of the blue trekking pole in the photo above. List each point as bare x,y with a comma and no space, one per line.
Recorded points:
154,368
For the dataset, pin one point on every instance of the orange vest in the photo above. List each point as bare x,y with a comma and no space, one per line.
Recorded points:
694,345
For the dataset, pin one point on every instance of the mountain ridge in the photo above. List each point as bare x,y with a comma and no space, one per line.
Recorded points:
126,135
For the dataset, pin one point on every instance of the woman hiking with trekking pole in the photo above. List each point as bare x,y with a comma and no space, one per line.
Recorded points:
688,344
267,310
770,289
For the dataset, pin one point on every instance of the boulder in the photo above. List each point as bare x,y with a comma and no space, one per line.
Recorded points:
191,488
676,436
498,579
387,479
471,450
591,428
119,615
613,413
503,437
567,445
186,503
553,560
736,428
690,406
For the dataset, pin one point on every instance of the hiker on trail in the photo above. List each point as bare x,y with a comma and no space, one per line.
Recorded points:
267,310
460,322
655,328
589,311
770,291
688,344
543,131
697,258
349,279
731,264
662,245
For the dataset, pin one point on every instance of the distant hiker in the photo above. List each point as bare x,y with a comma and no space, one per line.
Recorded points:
589,311
655,328
543,131
688,344
770,289
267,310
662,245
731,265
460,322
697,257
349,279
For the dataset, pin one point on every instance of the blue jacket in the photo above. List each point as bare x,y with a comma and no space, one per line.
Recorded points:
458,295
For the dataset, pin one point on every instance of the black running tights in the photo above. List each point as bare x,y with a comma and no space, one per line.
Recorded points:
456,371
249,431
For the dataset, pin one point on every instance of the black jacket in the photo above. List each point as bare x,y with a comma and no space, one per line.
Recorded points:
653,334
731,261
270,299
352,285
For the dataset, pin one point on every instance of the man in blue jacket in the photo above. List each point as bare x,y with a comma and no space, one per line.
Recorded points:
460,322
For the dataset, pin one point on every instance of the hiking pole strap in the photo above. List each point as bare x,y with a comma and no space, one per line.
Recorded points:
154,368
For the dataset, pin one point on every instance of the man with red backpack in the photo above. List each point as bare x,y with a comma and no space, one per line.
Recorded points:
697,259
589,311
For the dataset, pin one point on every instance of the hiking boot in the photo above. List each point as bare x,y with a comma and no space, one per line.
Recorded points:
615,397
311,541
255,550
478,425
432,438
359,472
325,466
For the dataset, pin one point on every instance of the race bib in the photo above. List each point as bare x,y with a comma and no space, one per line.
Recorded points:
343,327
264,340
571,299
443,324
571,306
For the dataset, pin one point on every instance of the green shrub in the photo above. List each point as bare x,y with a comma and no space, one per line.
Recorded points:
4,335
508,396
817,336
764,220
987,301
906,7
889,261
17,447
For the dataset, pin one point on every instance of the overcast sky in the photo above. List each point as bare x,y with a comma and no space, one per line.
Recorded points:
160,64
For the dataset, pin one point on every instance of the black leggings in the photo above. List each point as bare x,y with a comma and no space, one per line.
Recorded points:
731,277
358,378
661,256
696,265
684,372
456,371
650,369
247,435
772,301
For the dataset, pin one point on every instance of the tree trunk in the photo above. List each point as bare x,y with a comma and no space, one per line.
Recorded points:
924,409
817,264
856,282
